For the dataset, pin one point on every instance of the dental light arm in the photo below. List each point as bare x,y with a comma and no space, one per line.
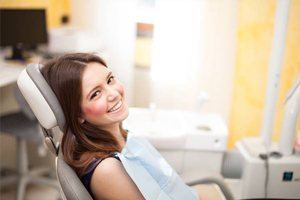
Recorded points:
275,65
291,114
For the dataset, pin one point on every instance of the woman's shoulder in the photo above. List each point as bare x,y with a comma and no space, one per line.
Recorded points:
111,181
88,174
108,166
96,161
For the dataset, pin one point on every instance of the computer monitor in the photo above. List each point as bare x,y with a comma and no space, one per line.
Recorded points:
22,28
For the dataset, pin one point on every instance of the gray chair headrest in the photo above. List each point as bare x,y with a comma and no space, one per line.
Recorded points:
40,97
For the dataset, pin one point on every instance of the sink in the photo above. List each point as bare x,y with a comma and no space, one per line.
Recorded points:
178,128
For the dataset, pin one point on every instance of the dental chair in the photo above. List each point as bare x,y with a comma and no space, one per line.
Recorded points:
48,111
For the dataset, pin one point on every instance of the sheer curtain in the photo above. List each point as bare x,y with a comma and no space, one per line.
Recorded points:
194,51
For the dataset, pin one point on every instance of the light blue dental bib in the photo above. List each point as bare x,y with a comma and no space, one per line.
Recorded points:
154,177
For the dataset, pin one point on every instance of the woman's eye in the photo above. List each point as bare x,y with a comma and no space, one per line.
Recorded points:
95,94
110,79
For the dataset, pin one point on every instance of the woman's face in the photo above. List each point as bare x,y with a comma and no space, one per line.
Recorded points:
103,100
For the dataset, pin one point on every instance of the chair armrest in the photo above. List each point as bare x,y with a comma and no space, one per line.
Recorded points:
196,178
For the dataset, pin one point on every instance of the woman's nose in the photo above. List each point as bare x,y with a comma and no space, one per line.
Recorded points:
111,94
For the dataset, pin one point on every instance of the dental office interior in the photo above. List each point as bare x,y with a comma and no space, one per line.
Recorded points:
214,85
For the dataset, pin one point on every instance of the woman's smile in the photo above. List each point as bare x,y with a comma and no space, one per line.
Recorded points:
117,107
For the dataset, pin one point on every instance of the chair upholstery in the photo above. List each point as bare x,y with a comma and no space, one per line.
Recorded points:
19,125
71,185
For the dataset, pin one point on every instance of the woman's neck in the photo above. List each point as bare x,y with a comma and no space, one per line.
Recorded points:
115,130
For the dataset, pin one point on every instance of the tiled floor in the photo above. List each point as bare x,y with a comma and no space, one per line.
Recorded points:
32,193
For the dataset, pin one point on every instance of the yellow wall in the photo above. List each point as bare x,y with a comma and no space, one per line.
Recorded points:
55,8
254,40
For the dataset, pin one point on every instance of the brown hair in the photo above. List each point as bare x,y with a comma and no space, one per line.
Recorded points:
81,142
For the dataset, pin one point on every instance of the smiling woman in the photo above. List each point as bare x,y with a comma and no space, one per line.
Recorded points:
103,101
94,105
87,91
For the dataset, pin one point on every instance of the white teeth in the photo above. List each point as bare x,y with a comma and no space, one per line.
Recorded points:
116,107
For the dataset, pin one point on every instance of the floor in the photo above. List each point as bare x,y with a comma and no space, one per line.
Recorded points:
32,193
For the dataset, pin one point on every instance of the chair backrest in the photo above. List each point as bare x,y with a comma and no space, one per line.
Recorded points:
48,111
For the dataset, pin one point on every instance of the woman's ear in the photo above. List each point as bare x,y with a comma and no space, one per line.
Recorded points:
81,120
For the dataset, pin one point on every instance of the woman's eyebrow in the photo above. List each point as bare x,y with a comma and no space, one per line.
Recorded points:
107,77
